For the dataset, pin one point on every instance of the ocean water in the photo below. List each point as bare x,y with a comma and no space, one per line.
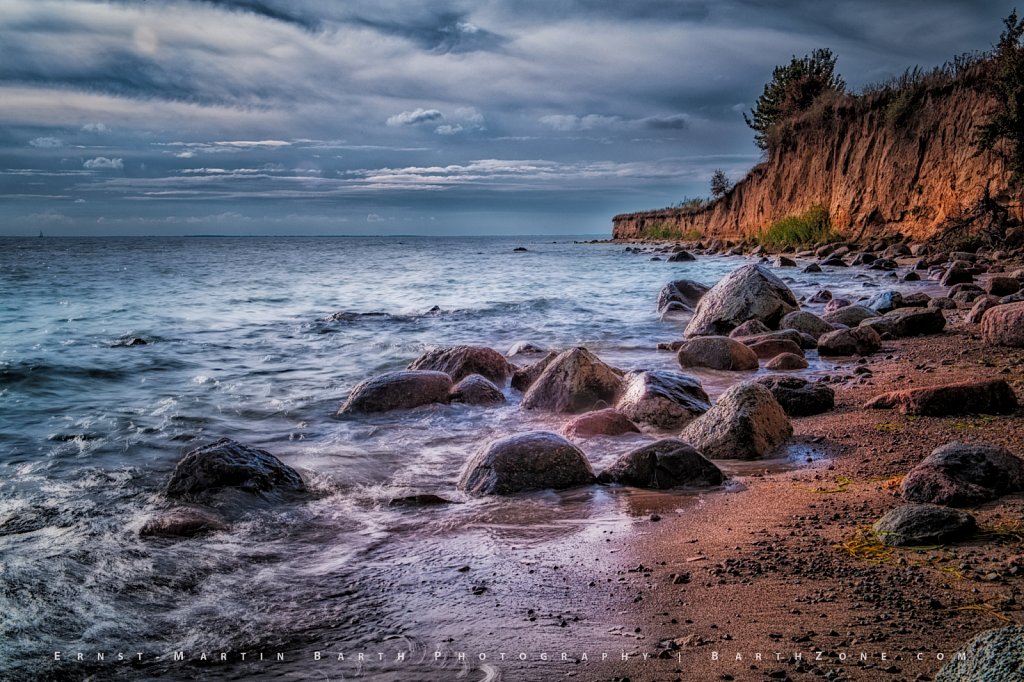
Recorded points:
238,345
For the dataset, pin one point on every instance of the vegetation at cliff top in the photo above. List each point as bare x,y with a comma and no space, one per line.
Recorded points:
1003,133
794,87
812,227
720,183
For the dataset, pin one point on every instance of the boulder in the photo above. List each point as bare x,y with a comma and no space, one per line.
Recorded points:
684,291
786,362
799,338
575,381
229,465
850,315
716,352
910,277
924,524
668,463
459,362
784,262
663,398
956,274
961,475
606,422
476,390
821,296
884,301
525,348
917,299
770,348
835,304
914,321
856,341
897,250
812,268
942,303
982,304
185,522
834,262
524,377
681,256
397,391
807,323
749,328
746,423
537,460
797,396
749,293
993,656
1003,325
420,500
969,397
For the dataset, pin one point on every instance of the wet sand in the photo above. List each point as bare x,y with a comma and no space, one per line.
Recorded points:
765,568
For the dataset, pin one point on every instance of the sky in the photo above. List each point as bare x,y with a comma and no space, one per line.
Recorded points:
461,117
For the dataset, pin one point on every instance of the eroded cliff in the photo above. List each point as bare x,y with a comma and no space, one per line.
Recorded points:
878,166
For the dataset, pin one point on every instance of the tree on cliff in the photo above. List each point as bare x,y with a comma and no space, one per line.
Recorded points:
793,89
720,184
1004,131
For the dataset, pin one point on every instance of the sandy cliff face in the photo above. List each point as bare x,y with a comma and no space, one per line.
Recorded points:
876,175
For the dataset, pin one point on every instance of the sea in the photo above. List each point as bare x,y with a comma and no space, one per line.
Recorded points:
239,342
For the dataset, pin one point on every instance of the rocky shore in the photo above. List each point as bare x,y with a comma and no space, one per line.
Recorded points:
878,561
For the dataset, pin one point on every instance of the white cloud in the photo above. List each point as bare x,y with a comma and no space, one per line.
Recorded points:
102,162
374,218
95,128
46,142
415,117
447,129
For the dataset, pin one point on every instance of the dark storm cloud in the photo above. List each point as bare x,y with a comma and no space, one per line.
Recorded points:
314,114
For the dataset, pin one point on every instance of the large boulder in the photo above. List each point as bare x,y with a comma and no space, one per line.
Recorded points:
749,293
575,381
807,323
924,524
856,341
537,460
663,398
770,348
969,397
226,465
799,397
912,322
668,463
961,475
183,522
982,305
884,301
459,362
606,422
993,656
749,328
799,338
525,348
1002,286
716,352
784,362
1003,325
746,423
684,291
850,315
397,391
476,390
523,377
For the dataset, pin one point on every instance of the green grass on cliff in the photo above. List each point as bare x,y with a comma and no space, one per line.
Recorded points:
812,227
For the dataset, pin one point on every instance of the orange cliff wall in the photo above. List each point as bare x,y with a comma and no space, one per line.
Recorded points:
874,177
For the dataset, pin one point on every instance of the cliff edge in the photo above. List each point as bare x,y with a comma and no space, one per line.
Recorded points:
880,165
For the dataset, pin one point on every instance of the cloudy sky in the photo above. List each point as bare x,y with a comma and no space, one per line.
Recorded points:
400,117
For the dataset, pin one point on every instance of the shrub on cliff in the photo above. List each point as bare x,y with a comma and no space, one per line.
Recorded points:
811,227
1004,131
720,184
793,89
